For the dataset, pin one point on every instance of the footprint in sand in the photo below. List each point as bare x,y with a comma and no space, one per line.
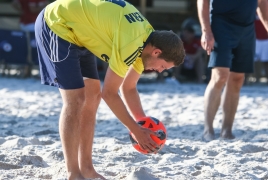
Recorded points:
140,174
7,166
196,173
199,165
249,148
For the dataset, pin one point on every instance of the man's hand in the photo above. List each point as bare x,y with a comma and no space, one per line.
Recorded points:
143,137
207,41
110,96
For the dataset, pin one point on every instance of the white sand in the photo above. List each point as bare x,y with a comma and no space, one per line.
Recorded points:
30,146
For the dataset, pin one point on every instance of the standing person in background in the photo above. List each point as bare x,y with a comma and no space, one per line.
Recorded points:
194,56
29,10
228,36
69,33
261,60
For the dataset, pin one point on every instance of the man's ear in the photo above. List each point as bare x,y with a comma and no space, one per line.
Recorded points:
156,52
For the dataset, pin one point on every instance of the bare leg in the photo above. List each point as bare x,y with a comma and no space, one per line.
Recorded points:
212,99
230,103
73,101
87,126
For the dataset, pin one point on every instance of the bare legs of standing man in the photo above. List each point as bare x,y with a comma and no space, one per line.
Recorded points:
220,78
77,124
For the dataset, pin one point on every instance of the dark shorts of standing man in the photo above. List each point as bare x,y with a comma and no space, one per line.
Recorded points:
232,24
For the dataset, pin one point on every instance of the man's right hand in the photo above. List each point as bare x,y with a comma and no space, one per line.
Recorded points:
143,137
110,95
207,41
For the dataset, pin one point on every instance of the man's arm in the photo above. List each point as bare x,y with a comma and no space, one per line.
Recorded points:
130,94
110,95
207,39
262,11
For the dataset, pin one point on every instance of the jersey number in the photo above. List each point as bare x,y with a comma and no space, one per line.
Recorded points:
121,3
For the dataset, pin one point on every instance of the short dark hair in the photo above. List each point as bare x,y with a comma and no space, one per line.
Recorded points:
170,44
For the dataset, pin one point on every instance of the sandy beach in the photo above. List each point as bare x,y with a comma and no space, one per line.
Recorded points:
30,146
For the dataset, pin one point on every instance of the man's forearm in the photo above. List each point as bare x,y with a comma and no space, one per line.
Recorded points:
203,14
116,104
132,100
262,11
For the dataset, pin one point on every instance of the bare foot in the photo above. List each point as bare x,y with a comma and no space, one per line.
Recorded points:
208,135
74,176
227,134
94,179
94,176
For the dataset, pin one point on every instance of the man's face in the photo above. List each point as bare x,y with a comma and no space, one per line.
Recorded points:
154,63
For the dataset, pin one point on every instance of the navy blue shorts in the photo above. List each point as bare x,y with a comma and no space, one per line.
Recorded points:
62,64
234,46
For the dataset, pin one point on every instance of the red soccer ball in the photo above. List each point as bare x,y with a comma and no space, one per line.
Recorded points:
154,125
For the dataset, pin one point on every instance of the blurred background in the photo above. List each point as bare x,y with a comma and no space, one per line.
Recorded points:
167,14
18,56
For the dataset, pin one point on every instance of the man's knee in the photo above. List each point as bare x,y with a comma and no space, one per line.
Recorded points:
94,98
236,79
93,92
74,99
219,76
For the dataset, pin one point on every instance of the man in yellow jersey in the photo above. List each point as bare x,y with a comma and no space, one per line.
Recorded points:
69,34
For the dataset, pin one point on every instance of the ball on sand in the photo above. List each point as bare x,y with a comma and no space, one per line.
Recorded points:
154,125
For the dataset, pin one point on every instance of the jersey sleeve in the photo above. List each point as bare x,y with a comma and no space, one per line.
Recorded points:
138,65
124,54
116,62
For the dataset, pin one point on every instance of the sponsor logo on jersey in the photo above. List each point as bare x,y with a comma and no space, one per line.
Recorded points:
129,60
105,57
134,17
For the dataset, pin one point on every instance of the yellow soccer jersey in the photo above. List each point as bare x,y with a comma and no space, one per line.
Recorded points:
113,30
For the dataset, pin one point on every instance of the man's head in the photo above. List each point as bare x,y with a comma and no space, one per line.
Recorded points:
163,51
